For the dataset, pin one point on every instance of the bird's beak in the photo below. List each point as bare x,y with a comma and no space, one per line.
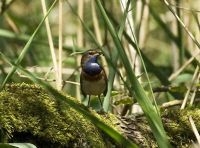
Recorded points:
98,53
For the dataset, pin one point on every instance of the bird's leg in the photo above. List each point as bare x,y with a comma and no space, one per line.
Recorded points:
101,111
100,102
88,101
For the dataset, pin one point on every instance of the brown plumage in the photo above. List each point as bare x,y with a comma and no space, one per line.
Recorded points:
93,78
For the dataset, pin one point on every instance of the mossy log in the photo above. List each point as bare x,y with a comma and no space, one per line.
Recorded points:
29,114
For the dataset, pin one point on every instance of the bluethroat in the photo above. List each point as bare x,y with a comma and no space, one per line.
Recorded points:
93,79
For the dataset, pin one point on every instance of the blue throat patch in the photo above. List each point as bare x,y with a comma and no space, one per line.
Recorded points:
92,67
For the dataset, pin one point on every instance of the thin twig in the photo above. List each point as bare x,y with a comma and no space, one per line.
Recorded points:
37,69
183,25
175,103
174,75
48,80
171,103
195,131
189,89
11,23
195,90
184,8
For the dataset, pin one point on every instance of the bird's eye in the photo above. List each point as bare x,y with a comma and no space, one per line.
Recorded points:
90,53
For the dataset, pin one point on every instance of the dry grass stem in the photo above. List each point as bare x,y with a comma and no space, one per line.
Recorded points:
190,88
194,128
60,44
51,45
174,75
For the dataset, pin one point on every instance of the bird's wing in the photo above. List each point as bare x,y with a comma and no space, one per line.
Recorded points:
81,79
106,80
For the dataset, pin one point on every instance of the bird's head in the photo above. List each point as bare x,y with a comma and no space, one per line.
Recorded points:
90,55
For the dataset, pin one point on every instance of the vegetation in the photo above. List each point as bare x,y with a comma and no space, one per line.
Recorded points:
31,114
151,56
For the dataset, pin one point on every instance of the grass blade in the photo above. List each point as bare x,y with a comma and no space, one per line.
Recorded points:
26,47
81,109
137,90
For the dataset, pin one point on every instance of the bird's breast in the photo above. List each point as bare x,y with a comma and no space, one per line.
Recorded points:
93,86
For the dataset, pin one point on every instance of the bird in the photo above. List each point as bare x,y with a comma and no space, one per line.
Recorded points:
93,79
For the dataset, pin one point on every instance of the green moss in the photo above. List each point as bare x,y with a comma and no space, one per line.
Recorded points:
27,110
178,127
